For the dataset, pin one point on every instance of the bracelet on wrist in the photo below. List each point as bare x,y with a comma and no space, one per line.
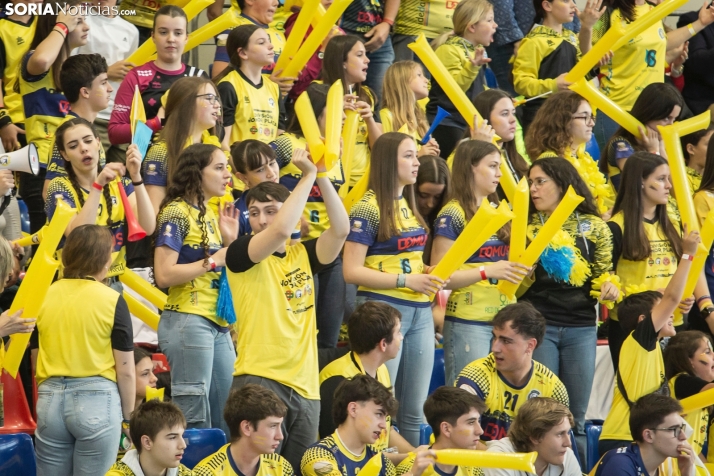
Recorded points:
60,32
482,270
98,186
705,297
691,29
321,174
401,281
688,257
212,264
62,27
136,184
388,21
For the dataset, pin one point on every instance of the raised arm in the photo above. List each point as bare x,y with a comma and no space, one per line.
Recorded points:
140,200
330,242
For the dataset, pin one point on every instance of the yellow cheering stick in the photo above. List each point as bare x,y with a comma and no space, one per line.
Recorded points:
482,459
697,401
139,309
37,281
555,222
648,19
707,237
29,240
373,466
333,124
297,34
519,225
309,126
143,288
313,42
357,191
154,394
349,140
599,49
598,100
487,221
224,22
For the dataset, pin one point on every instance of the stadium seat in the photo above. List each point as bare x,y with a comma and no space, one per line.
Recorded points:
425,433
17,413
24,216
17,455
574,445
201,442
438,373
592,454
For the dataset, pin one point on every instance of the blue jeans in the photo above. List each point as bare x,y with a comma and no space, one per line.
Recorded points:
379,61
500,65
569,352
604,129
410,370
464,343
78,426
201,360
329,303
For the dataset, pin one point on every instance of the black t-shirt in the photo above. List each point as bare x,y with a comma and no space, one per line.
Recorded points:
238,260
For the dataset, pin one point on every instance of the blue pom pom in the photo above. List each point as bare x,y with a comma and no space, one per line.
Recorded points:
558,263
224,306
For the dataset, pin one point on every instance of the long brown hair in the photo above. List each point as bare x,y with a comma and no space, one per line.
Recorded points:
485,102
467,155
383,173
433,169
399,99
238,38
86,251
550,129
635,245
679,350
333,66
180,114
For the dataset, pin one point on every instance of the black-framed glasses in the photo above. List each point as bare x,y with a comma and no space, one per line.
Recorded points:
211,98
676,430
586,117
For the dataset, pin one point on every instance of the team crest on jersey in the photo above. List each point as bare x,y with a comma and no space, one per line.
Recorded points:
533,394
322,468
289,294
271,102
151,169
167,231
210,227
20,41
665,261
298,293
357,226
442,222
114,201
308,290
253,130
661,33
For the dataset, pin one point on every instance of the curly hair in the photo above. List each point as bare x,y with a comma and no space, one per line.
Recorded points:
550,129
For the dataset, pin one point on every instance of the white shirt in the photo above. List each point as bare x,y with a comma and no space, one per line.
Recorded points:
570,466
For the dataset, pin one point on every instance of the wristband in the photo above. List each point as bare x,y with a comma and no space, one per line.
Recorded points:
65,29
691,29
707,303
388,21
482,270
688,257
98,186
401,281
60,32
321,174
706,296
212,263
136,184
125,424
4,118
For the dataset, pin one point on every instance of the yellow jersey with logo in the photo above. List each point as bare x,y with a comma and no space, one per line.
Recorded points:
478,302
61,187
330,457
45,108
55,167
641,369
274,302
15,39
315,212
699,419
401,254
431,17
221,463
503,399
181,227
637,64
654,272
406,467
251,110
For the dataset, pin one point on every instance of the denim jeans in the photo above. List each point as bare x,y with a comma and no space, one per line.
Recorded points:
78,426
379,61
329,303
569,352
500,65
604,129
410,370
464,343
201,360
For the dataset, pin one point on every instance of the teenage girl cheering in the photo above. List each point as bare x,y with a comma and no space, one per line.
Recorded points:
462,52
45,106
475,299
562,128
95,193
383,256
190,251
433,189
346,59
405,86
658,104
259,118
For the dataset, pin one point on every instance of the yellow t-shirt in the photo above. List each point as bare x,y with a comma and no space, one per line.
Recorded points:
481,378
482,300
329,457
62,187
274,302
641,368
15,39
401,254
179,226
698,420
637,64
431,17
221,463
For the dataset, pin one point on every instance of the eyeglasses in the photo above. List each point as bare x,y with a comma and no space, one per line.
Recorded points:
676,430
539,182
586,117
211,98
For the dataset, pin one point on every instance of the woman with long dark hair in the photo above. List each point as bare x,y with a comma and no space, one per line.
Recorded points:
433,189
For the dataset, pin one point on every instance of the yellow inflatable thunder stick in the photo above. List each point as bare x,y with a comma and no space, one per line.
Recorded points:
37,281
333,124
139,309
648,19
309,126
555,222
707,236
224,22
349,140
373,466
598,100
143,288
698,401
147,49
313,42
484,224
154,394
482,459
297,34
599,49
519,225
33,239
357,191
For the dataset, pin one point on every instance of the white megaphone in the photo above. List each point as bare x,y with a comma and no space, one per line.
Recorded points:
22,160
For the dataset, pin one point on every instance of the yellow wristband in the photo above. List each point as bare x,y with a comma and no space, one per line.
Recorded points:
691,29
321,174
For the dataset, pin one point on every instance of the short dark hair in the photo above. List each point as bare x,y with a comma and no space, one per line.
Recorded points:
250,154
361,388
170,11
649,412
524,319
371,322
78,72
151,417
251,403
267,191
634,306
448,404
